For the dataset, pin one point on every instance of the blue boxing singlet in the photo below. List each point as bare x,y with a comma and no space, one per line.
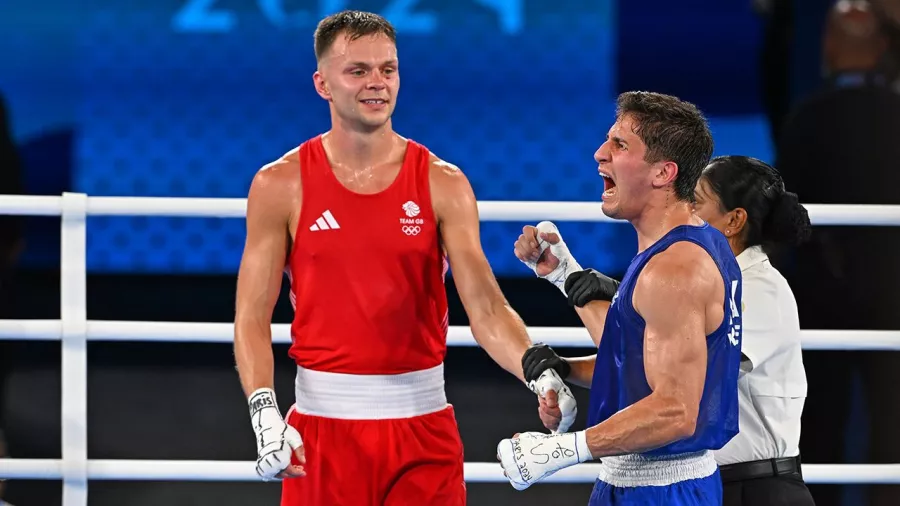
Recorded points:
619,381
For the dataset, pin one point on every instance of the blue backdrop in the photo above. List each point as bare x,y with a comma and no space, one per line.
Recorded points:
191,97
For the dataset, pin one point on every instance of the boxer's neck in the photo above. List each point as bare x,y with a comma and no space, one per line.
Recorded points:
358,150
657,221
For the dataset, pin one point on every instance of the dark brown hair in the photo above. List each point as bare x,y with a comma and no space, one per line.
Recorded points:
353,24
673,130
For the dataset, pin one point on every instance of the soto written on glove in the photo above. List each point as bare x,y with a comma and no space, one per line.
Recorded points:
530,457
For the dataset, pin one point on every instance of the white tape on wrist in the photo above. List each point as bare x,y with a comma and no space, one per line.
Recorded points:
568,406
275,439
261,400
567,263
531,456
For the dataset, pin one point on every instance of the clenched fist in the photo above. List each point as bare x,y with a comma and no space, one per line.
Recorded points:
276,441
543,250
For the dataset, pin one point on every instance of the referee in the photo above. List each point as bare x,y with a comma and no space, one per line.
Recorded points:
745,199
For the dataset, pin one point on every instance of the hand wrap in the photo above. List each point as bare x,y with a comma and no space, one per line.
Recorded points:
275,439
531,456
567,263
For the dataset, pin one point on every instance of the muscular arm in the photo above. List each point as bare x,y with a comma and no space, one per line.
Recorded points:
593,315
260,274
495,325
672,295
582,370
591,293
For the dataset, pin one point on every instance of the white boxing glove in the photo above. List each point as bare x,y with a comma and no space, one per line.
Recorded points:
531,456
275,439
550,380
567,263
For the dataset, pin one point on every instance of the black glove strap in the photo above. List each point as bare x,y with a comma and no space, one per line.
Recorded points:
541,357
587,285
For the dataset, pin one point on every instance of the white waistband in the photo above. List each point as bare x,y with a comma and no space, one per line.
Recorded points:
644,470
370,397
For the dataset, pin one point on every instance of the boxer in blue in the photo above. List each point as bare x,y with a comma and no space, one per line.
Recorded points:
664,379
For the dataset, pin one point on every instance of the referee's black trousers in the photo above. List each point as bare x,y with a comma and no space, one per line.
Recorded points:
782,490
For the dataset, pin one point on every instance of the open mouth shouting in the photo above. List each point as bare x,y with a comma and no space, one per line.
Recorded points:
609,185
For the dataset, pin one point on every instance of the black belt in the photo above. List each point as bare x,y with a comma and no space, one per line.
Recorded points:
760,469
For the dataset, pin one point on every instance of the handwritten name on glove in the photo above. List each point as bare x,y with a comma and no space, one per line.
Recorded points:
568,406
530,457
276,441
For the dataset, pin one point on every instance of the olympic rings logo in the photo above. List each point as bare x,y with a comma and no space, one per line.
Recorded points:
411,230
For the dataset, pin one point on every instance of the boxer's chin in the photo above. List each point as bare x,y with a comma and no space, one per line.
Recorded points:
610,209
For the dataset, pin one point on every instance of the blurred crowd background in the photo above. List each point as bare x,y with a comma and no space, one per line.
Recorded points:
191,97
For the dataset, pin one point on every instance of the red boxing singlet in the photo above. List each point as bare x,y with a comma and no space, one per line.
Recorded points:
367,272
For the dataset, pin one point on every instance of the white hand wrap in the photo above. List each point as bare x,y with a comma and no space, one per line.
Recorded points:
550,380
275,439
531,456
567,264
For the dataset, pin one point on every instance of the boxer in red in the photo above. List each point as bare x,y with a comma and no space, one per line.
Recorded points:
366,224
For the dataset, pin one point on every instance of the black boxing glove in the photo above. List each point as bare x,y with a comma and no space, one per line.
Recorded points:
540,357
587,285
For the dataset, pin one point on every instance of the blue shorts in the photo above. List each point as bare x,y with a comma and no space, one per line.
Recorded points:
686,479
696,492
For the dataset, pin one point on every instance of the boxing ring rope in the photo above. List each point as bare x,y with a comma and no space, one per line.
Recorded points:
560,337
73,330
523,211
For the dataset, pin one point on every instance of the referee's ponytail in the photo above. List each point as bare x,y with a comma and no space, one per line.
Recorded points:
787,222
775,216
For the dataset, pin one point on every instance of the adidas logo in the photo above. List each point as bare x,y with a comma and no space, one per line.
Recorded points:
325,222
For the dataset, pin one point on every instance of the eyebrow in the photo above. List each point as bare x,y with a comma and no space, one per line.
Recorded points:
619,139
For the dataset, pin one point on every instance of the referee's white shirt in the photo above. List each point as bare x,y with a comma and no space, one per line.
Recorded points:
772,385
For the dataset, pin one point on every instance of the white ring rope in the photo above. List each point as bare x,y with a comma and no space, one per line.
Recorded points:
561,337
73,331
475,472
524,211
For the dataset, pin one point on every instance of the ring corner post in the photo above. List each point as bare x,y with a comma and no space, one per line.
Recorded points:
73,314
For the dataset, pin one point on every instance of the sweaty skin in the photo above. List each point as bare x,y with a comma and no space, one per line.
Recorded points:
273,210
497,328
679,295
360,80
